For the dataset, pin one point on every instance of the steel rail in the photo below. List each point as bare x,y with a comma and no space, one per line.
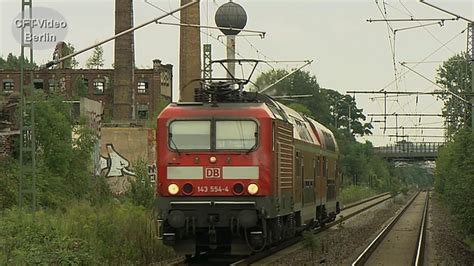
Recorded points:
357,203
297,240
293,241
362,258
420,249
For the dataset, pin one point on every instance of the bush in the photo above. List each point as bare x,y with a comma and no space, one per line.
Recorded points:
355,193
455,178
8,182
38,240
141,191
114,233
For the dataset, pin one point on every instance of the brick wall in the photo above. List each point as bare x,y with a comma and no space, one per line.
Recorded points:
63,80
6,142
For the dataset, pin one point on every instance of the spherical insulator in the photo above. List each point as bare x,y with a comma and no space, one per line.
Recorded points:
231,15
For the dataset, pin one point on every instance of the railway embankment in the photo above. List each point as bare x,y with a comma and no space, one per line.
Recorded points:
336,246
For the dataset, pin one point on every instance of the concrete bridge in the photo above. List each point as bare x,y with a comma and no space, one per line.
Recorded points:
409,151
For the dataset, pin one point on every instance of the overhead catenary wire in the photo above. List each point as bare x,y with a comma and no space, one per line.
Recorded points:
208,34
426,29
428,56
392,43
434,83
201,31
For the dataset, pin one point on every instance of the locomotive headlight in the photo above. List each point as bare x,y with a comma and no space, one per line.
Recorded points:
252,189
173,189
212,159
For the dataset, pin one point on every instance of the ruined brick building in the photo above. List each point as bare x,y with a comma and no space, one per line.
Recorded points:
128,94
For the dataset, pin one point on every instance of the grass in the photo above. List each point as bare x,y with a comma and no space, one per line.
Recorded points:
470,242
114,233
352,194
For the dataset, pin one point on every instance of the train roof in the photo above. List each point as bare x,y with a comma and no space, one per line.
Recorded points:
306,129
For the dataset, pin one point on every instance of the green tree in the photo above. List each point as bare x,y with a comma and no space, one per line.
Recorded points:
13,63
343,109
300,83
70,63
456,76
325,105
97,58
63,164
80,87
454,178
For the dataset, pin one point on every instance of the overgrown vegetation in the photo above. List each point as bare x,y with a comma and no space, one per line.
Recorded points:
455,178
113,233
454,166
13,62
78,221
352,194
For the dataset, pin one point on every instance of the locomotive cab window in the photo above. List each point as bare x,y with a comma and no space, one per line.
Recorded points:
236,135
190,135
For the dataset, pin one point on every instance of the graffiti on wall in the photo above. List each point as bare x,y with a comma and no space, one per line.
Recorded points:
115,164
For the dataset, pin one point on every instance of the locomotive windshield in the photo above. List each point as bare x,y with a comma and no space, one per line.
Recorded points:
190,135
236,135
213,135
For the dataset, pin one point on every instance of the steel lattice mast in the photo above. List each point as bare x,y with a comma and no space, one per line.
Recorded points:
27,114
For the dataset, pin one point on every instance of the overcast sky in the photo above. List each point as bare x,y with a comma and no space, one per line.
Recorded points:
349,53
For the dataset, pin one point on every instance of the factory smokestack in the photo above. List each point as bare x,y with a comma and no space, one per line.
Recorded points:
124,63
189,52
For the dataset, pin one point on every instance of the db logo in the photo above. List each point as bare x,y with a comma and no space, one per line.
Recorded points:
213,172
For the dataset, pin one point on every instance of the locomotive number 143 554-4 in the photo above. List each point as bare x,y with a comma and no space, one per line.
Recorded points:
212,189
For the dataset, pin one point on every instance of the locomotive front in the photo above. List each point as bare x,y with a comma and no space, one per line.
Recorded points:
214,176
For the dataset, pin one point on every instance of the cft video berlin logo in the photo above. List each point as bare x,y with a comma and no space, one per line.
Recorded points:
48,27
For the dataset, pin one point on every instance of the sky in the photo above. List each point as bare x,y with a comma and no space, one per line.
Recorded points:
349,53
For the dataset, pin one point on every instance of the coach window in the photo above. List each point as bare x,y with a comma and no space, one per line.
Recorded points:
190,135
236,135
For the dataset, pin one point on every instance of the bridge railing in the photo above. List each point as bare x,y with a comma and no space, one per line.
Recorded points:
410,147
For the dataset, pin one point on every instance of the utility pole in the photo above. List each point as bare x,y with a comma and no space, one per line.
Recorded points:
207,61
349,118
470,51
27,115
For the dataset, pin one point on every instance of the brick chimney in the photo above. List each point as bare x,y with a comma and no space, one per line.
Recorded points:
124,63
189,52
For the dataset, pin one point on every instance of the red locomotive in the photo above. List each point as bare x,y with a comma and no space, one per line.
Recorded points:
239,172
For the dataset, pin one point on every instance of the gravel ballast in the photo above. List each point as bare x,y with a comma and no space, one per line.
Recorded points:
340,244
447,246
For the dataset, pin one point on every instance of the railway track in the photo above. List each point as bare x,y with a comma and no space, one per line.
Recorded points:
401,241
269,255
287,246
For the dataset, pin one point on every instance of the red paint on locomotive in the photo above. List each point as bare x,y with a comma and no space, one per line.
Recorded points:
259,157
294,165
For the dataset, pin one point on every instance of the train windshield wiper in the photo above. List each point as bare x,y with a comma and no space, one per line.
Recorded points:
255,145
170,136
